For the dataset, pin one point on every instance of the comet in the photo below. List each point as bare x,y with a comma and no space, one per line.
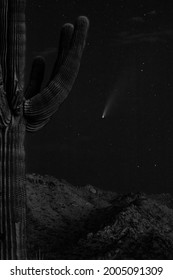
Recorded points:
123,84
105,112
109,105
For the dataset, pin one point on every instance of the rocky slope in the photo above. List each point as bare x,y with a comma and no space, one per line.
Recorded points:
70,222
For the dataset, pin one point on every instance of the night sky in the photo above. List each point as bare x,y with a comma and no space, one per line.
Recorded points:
115,130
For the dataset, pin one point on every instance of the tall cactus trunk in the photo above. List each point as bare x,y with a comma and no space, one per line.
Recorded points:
13,197
12,131
27,111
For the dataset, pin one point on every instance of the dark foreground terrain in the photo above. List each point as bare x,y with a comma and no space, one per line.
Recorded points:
69,222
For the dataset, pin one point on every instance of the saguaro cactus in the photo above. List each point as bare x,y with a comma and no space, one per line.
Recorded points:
28,110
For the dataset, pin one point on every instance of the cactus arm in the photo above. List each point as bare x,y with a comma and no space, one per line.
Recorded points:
39,108
64,45
38,66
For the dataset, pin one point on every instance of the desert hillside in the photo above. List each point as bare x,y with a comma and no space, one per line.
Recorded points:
72,222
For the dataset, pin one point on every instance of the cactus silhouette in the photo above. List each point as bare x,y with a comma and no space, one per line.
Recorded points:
27,110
